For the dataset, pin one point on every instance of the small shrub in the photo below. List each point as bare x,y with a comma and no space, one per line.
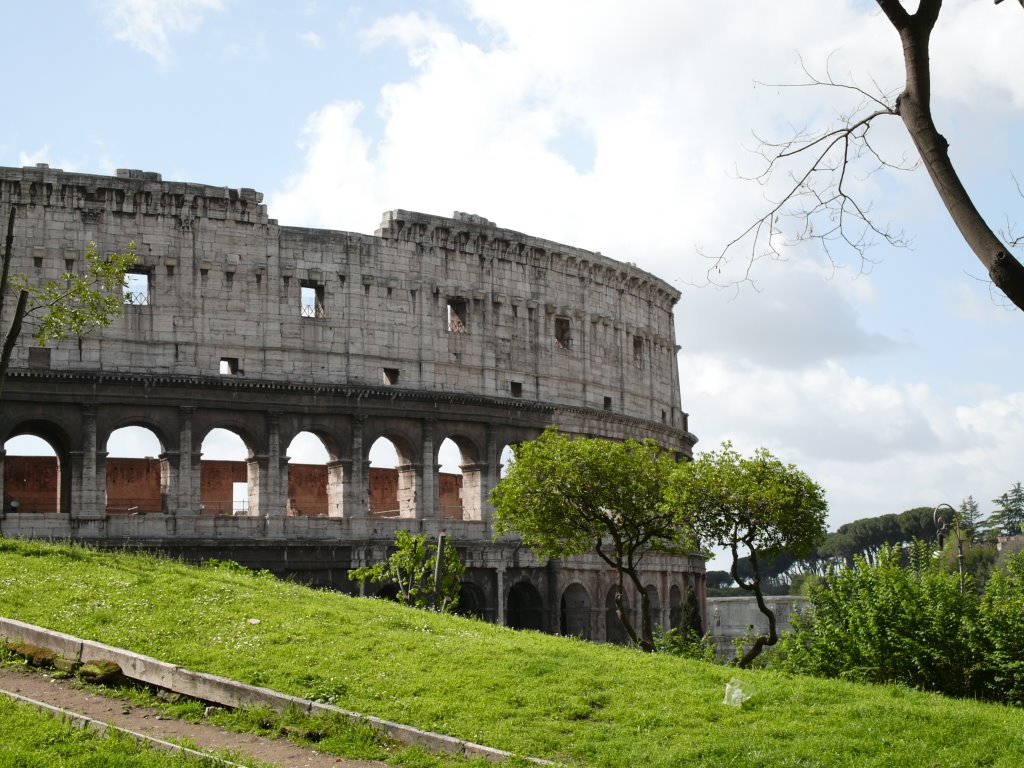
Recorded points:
685,643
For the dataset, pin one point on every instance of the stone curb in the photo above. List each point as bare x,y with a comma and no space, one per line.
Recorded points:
230,693
81,721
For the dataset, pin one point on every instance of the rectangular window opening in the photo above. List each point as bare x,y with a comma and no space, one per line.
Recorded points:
638,352
137,288
563,333
312,300
517,389
457,315
607,403
229,366
38,357
391,377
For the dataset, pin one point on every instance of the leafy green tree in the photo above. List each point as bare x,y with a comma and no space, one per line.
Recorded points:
72,306
1008,518
970,515
758,504
1002,623
567,496
411,568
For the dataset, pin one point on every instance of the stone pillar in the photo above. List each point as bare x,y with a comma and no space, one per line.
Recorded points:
427,504
501,595
356,477
491,474
100,493
169,462
85,504
3,501
256,481
410,495
474,491
273,475
337,473
184,495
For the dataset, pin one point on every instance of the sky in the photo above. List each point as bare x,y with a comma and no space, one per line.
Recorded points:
894,381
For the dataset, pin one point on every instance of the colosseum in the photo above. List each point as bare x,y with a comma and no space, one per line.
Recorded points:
432,329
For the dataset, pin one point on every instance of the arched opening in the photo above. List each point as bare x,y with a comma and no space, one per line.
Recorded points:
33,477
655,604
314,483
525,608
387,592
227,477
137,478
575,612
472,601
505,461
450,480
392,479
675,606
614,632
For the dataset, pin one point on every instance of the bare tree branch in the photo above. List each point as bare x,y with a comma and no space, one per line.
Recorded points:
822,193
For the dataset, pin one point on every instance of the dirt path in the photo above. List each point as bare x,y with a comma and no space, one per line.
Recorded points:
66,695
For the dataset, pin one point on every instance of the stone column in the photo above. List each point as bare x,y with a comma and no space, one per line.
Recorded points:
272,489
85,503
184,495
427,505
501,595
355,500
169,462
3,500
491,474
474,491
337,474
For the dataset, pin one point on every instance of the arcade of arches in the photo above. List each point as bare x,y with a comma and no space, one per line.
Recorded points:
335,515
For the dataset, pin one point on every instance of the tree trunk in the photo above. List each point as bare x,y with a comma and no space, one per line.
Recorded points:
754,586
914,108
11,337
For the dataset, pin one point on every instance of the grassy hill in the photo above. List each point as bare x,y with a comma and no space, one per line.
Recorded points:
534,694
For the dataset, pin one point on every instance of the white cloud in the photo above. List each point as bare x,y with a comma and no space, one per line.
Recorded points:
312,39
614,127
41,155
148,25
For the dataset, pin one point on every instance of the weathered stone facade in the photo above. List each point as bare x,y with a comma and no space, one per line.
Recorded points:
432,328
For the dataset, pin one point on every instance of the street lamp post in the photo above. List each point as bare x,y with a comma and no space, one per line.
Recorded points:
941,526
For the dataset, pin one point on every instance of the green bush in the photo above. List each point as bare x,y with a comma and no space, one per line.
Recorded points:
886,623
1002,627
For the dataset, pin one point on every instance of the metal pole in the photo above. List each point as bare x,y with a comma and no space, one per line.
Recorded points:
439,569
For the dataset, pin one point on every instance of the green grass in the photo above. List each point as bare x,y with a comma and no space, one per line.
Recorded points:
530,693
30,738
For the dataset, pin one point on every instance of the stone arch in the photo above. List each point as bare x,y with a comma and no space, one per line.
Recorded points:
675,606
387,592
614,632
654,602
220,477
136,472
504,460
472,601
524,607
315,479
462,490
575,612
392,491
38,479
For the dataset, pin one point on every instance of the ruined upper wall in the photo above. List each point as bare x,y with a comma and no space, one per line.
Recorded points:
433,303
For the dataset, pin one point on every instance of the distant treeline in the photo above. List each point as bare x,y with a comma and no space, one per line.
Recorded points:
868,536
